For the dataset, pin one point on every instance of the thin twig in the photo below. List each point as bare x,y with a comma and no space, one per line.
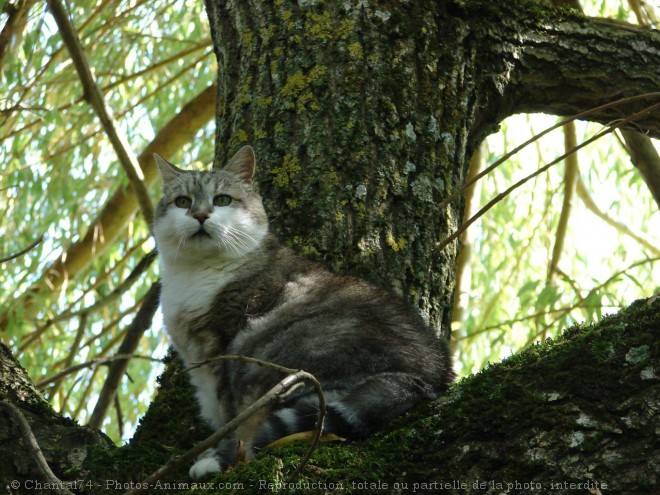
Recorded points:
73,352
33,448
141,322
94,363
273,396
93,95
591,205
24,250
318,430
594,290
570,178
69,313
608,129
116,293
538,136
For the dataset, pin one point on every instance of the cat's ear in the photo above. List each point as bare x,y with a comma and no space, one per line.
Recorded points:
242,163
168,171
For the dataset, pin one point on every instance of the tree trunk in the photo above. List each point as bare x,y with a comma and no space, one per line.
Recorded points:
364,118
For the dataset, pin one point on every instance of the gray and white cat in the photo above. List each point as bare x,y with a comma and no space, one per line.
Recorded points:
229,287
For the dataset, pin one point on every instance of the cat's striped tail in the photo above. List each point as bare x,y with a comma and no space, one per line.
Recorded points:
352,412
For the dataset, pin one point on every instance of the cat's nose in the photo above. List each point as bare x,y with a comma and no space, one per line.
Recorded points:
201,217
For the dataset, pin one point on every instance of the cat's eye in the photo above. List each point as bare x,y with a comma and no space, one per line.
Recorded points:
222,200
183,201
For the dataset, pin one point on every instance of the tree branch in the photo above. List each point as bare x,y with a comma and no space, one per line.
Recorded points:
570,178
620,61
12,32
95,98
645,157
139,325
608,129
582,115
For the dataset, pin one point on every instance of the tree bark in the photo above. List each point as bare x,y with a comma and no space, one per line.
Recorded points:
64,444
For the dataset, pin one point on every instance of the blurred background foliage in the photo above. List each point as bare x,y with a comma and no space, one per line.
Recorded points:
152,57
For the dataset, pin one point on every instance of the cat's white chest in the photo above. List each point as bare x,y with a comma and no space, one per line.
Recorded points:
187,292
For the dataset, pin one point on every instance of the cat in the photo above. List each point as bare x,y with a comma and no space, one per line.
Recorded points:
229,287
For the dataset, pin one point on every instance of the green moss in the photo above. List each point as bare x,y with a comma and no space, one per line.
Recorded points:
321,26
170,427
283,174
394,244
247,37
355,50
296,91
240,137
295,83
264,101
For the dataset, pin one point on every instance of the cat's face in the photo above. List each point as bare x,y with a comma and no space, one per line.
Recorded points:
216,213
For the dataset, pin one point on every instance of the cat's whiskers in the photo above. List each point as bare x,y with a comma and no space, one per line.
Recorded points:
234,238
231,240
182,241
245,240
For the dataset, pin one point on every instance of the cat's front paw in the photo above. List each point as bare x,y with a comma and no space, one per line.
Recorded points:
204,466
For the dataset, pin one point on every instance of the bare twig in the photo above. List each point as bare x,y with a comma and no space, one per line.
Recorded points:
94,363
138,326
570,178
608,129
95,98
591,205
33,448
538,136
28,339
317,387
273,396
645,157
24,250
116,293
73,351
